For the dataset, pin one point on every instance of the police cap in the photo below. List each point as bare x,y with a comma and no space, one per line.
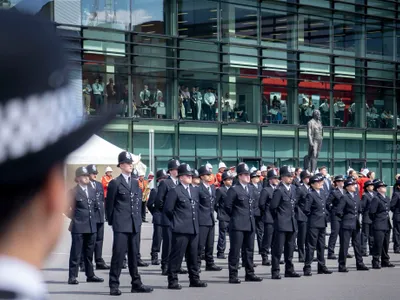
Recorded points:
92,169
124,157
185,169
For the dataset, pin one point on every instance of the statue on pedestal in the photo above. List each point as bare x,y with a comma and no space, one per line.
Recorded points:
315,136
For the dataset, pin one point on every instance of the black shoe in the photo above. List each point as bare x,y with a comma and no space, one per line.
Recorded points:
82,268
276,276
145,221
253,278
362,268
115,292
387,265
301,260
94,279
124,265
221,256
142,263
234,280
332,256
198,283
164,272
307,273
349,256
343,270
203,257
268,252
154,259
396,251
254,265
142,289
315,259
281,262
174,286
73,280
265,261
364,254
296,249
182,271
213,267
376,266
324,271
292,274
102,266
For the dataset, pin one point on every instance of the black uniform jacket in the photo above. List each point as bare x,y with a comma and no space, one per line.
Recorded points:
282,206
151,205
124,205
365,204
221,194
257,192
240,205
395,205
82,213
182,209
163,189
264,203
301,197
207,204
99,203
379,212
315,209
333,201
349,210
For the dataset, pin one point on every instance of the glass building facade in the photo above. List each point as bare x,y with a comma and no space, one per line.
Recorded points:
238,80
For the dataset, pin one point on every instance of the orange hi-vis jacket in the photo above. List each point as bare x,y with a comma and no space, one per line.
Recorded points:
219,179
105,180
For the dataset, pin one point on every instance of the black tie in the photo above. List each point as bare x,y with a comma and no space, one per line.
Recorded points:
187,189
246,189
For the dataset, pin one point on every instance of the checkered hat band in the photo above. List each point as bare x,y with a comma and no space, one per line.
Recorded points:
30,125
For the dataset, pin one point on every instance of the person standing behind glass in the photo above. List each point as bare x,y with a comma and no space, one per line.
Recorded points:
87,91
199,103
324,109
209,101
193,103
227,108
145,96
186,100
98,91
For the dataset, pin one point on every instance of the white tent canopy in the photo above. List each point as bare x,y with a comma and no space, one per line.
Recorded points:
97,151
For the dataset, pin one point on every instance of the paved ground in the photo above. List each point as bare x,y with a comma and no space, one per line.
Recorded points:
375,284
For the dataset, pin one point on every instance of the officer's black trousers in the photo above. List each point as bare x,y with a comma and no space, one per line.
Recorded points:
267,239
259,232
335,230
183,245
315,240
81,242
137,243
381,246
366,238
396,235
223,229
345,236
239,240
144,210
301,238
98,249
283,242
157,238
166,246
123,242
206,241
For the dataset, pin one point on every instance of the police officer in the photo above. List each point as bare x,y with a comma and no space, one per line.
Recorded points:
349,210
196,178
163,188
315,209
301,197
182,208
123,209
265,199
255,181
332,204
240,205
99,214
157,228
207,206
395,208
297,178
366,230
83,227
379,213
222,216
283,205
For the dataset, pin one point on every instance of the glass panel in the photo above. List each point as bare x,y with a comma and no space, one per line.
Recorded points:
388,172
114,14
275,27
187,143
346,34
198,19
229,146
381,8
238,22
277,147
44,8
163,143
340,167
321,3
240,141
313,31
206,145
348,144
379,146
379,38
119,139
148,16
105,73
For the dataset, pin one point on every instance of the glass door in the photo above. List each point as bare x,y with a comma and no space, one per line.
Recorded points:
252,162
356,164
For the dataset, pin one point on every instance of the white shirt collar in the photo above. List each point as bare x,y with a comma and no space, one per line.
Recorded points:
126,176
286,186
83,187
22,278
243,185
185,185
206,184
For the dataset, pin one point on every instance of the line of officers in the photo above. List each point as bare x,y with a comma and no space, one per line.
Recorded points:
183,205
